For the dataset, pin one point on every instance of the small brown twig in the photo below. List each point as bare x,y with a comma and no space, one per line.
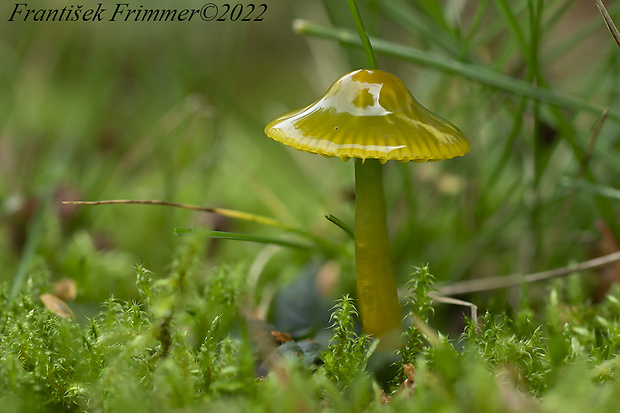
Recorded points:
504,281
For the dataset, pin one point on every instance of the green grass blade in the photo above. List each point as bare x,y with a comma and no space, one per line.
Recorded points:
361,30
34,235
242,237
476,21
602,190
514,27
336,221
434,10
403,14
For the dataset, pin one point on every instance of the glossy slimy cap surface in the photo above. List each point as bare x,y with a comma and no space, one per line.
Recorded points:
369,114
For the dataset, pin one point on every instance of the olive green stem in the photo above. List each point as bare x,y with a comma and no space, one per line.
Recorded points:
359,25
376,286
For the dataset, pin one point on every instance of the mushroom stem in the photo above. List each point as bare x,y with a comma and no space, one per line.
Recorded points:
376,285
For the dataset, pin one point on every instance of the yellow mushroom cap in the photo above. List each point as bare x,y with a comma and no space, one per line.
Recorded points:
369,114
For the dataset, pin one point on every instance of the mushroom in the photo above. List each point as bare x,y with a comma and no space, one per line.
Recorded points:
371,116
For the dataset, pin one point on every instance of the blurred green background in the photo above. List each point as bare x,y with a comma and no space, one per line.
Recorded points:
175,111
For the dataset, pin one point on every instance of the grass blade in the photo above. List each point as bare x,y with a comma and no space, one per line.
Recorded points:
609,22
604,191
510,20
336,221
406,16
34,235
241,237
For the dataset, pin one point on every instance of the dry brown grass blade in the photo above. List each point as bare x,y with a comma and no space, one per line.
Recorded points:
220,211
608,275
513,280
454,301
608,21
